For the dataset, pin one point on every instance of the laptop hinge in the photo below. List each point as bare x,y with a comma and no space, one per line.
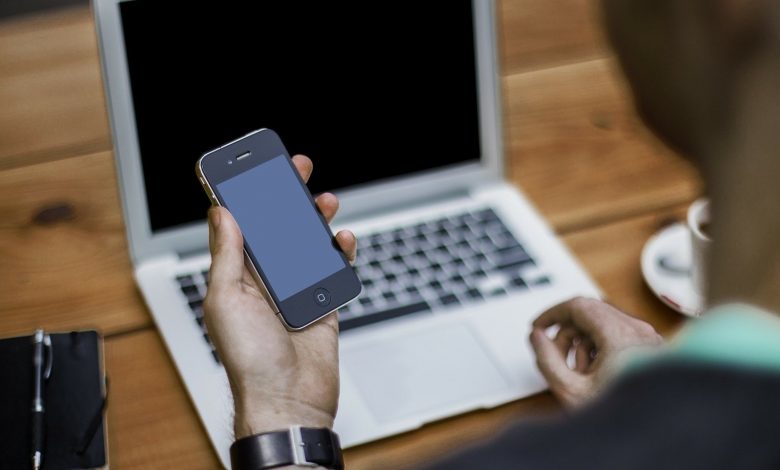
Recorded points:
183,255
390,208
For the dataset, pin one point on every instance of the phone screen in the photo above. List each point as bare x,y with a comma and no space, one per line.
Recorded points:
280,227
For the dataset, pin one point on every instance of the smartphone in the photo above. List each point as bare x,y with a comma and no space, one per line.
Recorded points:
289,247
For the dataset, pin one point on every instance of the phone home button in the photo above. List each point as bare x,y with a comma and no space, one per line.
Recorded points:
322,297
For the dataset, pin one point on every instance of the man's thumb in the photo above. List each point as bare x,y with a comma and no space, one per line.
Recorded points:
227,248
551,362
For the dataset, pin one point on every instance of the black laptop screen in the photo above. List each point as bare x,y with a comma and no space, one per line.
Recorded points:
368,90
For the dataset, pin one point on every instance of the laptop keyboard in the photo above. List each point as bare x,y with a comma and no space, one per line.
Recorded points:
193,286
439,264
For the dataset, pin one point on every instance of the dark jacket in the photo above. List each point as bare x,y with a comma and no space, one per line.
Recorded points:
669,415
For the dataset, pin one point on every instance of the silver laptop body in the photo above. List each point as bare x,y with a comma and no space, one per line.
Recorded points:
465,348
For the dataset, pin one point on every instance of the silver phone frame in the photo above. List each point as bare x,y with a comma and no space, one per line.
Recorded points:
206,185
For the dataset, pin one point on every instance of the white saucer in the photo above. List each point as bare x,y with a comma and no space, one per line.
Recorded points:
666,262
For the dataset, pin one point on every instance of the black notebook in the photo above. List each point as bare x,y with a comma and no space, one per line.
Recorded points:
73,401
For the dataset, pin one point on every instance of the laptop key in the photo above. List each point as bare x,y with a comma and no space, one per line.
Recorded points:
511,248
544,280
185,280
377,317
479,258
497,292
486,215
513,259
474,293
191,292
464,246
508,243
448,299
518,282
375,240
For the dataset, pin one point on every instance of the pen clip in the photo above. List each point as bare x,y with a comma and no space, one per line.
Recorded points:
49,356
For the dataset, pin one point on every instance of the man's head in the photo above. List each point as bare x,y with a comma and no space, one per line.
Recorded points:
685,60
706,77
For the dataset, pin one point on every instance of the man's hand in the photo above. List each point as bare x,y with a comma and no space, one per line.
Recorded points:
596,333
279,378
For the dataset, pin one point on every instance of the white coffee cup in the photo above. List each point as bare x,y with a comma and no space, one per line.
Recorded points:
698,221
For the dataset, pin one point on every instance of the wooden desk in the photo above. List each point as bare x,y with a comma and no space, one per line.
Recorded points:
575,146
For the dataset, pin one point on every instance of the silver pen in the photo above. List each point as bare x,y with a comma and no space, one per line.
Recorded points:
41,373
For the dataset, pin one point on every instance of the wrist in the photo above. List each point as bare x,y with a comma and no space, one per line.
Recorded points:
258,416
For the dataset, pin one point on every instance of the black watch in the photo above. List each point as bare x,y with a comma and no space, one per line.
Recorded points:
308,447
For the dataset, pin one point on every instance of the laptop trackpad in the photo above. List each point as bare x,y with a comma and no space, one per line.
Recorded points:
430,370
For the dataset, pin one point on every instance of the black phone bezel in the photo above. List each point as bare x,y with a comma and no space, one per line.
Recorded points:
300,309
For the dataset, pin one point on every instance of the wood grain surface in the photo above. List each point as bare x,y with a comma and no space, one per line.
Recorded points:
540,34
64,255
580,152
151,421
50,89
574,145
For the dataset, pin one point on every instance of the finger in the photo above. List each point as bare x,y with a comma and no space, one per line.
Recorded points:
583,357
587,315
227,248
304,166
561,313
552,364
348,244
565,340
328,204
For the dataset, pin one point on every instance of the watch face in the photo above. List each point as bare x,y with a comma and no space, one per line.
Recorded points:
295,446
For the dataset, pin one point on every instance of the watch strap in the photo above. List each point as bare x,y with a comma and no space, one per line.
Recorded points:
308,447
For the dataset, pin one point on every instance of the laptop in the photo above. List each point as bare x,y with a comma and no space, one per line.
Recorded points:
398,104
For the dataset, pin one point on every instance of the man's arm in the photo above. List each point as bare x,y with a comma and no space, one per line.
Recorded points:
278,378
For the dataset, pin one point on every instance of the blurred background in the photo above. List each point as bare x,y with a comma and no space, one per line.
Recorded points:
12,8
575,146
